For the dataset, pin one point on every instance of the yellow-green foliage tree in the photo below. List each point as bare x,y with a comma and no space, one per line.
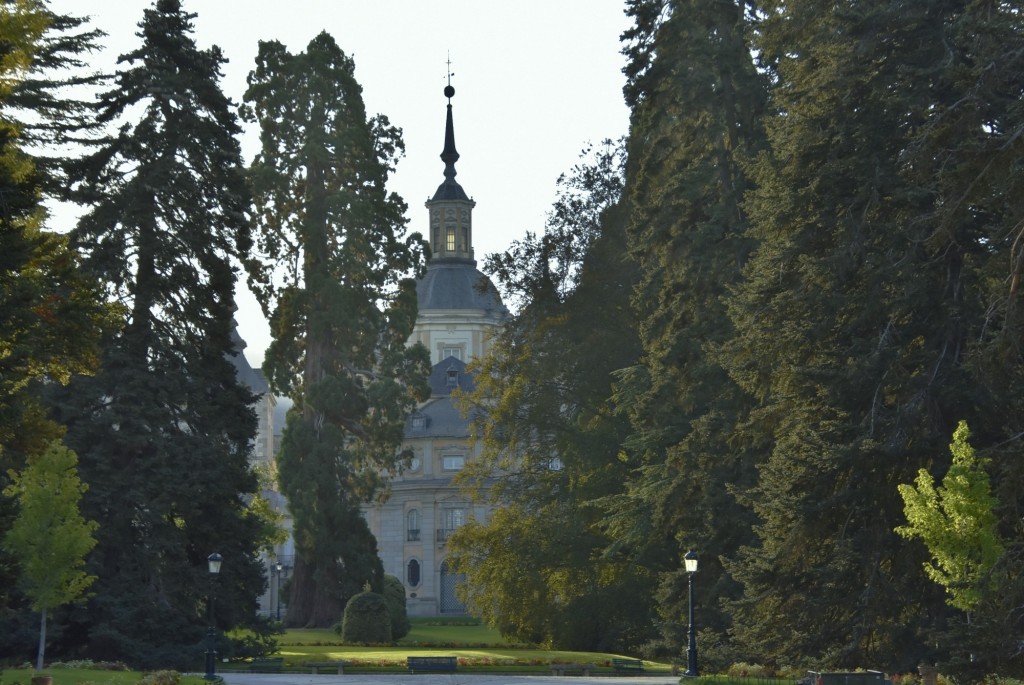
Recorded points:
49,536
956,522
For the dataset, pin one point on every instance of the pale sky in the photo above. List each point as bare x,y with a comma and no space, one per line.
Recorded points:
535,81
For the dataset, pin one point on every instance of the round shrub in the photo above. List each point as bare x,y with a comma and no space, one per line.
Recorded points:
366,620
394,595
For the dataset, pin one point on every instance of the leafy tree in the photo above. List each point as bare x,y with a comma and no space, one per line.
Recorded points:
163,430
50,537
956,522
341,307
698,102
541,568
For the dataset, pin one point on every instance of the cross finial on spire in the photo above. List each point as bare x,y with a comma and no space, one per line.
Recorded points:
448,90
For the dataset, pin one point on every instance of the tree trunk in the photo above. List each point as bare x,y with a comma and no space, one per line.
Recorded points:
42,642
308,605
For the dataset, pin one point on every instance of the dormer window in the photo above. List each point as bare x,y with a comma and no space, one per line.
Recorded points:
453,378
419,422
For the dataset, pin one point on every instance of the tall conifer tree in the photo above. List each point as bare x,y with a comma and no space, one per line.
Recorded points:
863,306
163,431
342,305
697,106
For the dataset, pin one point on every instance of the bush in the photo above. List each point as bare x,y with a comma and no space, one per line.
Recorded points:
366,620
161,678
394,595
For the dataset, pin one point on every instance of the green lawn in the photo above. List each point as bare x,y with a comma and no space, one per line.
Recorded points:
478,648
83,676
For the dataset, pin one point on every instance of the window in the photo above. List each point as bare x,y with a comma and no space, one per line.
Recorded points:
454,518
412,525
452,462
450,239
451,352
419,422
451,520
453,378
412,573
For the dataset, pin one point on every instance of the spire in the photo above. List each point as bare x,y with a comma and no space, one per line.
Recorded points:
451,210
450,189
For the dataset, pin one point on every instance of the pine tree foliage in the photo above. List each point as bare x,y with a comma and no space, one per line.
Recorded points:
696,120
51,102
341,302
865,315
163,430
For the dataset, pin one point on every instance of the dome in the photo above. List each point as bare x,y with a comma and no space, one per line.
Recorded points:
458,284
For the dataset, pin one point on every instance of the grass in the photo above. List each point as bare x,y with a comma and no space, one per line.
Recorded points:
478,648
84,676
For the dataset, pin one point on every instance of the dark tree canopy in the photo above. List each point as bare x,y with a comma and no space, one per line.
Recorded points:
163,430
342,303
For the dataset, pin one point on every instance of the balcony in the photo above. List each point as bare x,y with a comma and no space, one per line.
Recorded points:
412,535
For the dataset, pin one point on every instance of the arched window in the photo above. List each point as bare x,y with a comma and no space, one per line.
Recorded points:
412,525
412,573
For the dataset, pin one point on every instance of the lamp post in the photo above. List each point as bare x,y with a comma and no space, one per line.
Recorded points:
279,568
690,561
213,566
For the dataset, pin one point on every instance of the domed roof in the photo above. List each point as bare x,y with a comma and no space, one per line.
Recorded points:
458,284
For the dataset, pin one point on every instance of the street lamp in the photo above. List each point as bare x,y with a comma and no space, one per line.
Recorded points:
213,566
278,567
690,561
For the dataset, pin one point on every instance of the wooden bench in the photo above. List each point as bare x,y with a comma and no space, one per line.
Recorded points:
560,669
628,665
317,665
433,664
269,664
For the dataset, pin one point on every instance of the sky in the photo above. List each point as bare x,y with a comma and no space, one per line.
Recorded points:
535,81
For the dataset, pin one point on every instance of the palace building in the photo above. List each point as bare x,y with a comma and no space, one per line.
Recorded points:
459,311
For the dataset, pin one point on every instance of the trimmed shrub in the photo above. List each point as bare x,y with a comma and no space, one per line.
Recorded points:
366,620
394,595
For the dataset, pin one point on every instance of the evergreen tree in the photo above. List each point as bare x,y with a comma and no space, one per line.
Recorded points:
49,103
697,106
542,569
341,315
164,429
859,319
50,313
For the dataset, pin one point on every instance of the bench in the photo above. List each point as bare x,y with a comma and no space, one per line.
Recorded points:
431,663
560,669
628,665
317,665
270,664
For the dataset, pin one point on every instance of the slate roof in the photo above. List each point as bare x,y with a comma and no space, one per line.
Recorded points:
445,373
439,417
458,284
